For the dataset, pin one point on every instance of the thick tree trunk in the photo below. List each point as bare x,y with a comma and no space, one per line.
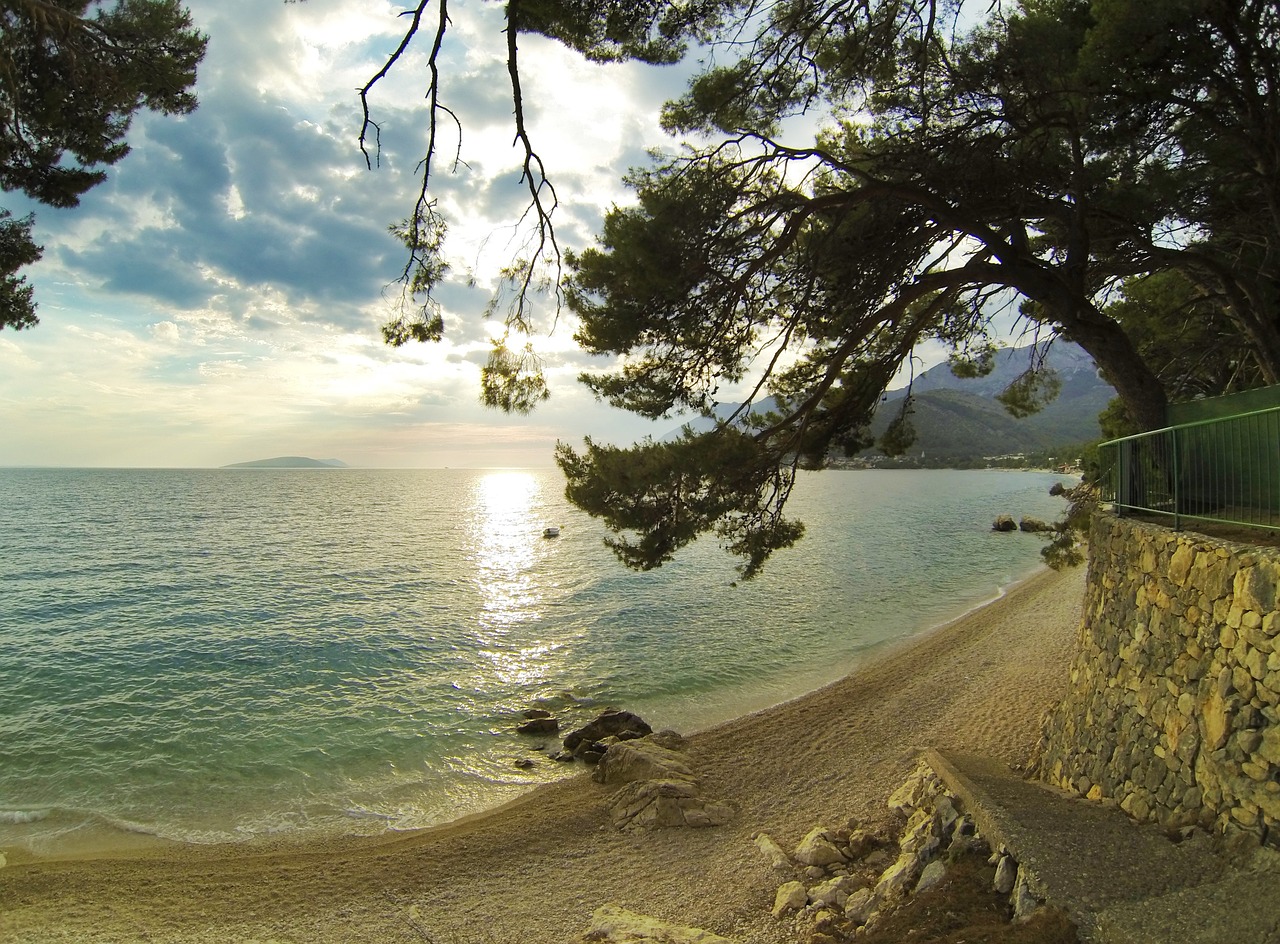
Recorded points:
1111,349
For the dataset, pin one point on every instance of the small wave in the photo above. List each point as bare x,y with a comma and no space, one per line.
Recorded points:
17,817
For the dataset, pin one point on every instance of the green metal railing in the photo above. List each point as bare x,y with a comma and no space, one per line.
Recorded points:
1225,471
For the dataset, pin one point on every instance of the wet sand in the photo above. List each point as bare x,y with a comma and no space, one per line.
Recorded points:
533,871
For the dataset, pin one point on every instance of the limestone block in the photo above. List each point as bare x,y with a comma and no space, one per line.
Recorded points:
1024,902
818,849
834,892
1268,749
860,905
899,878
791,897
1255,587
933,873
773,852
1006,874
627,761
1180,564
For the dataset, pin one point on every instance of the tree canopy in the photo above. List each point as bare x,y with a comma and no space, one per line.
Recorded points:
1078,156
72,75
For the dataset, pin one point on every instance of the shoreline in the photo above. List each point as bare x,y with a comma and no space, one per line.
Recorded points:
534,869
103,839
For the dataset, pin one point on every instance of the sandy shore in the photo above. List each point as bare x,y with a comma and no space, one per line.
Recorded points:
535,870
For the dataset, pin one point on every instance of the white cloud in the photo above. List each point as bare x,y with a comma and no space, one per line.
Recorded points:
219,297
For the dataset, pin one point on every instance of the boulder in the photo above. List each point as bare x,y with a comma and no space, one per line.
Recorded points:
1035,525
791,897
834,893
933,873
1006,875
532,714
615,925
900,878
647,804
539,726
818,849
625,761
860,905
620,724
777,858
1004,523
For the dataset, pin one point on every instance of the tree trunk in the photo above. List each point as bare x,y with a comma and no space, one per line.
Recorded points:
1111,349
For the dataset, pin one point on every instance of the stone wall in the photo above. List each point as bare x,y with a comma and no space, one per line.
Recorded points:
1174,708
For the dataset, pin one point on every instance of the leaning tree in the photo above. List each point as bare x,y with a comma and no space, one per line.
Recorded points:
1043,154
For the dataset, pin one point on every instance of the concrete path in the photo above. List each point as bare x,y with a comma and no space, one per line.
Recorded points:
1120,882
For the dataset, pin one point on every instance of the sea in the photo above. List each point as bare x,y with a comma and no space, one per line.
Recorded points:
215,656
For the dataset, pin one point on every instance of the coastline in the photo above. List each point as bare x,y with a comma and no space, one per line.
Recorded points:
535,868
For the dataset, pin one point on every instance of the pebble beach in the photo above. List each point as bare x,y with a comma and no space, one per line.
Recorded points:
536,869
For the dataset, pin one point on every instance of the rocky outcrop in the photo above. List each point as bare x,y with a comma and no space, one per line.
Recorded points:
584,743
1004,523
841,881
1174,707
644,759
660,788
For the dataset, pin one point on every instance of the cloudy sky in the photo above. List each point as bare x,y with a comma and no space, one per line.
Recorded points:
218,299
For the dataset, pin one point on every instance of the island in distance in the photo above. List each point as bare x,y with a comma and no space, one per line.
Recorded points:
289,462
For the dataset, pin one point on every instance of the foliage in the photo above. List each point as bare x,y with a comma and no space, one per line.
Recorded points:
1052,153
70,84
1066,548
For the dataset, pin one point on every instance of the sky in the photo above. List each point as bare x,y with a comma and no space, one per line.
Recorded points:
218,299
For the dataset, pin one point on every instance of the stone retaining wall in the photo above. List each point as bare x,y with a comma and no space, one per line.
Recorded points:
1174,709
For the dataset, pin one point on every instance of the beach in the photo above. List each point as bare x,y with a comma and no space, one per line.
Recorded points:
534,870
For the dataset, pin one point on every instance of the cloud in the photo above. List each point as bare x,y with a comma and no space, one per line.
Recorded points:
222,291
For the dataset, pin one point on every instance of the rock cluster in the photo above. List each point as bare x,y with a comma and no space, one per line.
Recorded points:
843,880
587,743
1174,708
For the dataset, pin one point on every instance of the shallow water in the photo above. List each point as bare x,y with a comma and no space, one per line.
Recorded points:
221,655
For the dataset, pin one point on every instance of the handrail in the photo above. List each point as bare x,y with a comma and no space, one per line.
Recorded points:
1224,470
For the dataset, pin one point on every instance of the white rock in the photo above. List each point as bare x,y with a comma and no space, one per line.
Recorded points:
626,761
899,878
860,905
1006,874
791,897
1024,902
834,892
933,873
777,858
818,849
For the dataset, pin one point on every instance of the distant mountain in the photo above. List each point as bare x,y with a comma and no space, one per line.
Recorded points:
289,462
958,417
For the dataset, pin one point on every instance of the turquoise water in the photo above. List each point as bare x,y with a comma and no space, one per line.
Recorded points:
225,655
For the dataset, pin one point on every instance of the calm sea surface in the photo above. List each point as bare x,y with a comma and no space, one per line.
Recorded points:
223,655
